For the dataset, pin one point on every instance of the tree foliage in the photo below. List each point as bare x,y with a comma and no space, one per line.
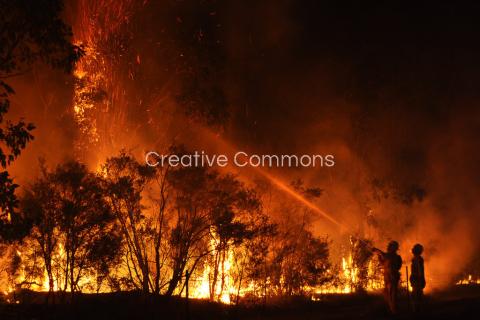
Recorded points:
72,220
130,226
126,179
30,32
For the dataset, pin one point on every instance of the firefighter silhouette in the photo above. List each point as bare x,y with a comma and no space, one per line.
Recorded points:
392,264
417,276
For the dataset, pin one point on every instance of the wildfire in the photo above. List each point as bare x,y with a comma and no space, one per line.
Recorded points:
203,288
98,99
219,265
468,280
349,279
98,96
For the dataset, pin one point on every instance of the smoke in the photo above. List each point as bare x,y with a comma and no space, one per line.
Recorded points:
393,100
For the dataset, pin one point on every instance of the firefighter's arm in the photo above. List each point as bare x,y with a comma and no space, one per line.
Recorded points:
380,253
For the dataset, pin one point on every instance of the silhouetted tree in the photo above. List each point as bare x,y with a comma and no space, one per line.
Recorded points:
159,226
103,258
126,180
299,260
30,31
41,210
188,237
231,205
67,209
252,257
209,220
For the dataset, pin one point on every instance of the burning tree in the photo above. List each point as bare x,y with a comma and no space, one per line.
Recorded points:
160,229
72,224
126,180
295,260
251,258
361,264
210,221
299,262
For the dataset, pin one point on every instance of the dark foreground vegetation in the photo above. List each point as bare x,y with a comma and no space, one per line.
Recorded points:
455,303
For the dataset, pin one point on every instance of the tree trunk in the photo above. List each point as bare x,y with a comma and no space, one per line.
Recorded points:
216,266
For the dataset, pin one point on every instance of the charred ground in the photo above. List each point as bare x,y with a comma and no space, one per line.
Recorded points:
462,302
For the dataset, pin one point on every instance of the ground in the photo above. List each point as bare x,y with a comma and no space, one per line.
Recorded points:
456,303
